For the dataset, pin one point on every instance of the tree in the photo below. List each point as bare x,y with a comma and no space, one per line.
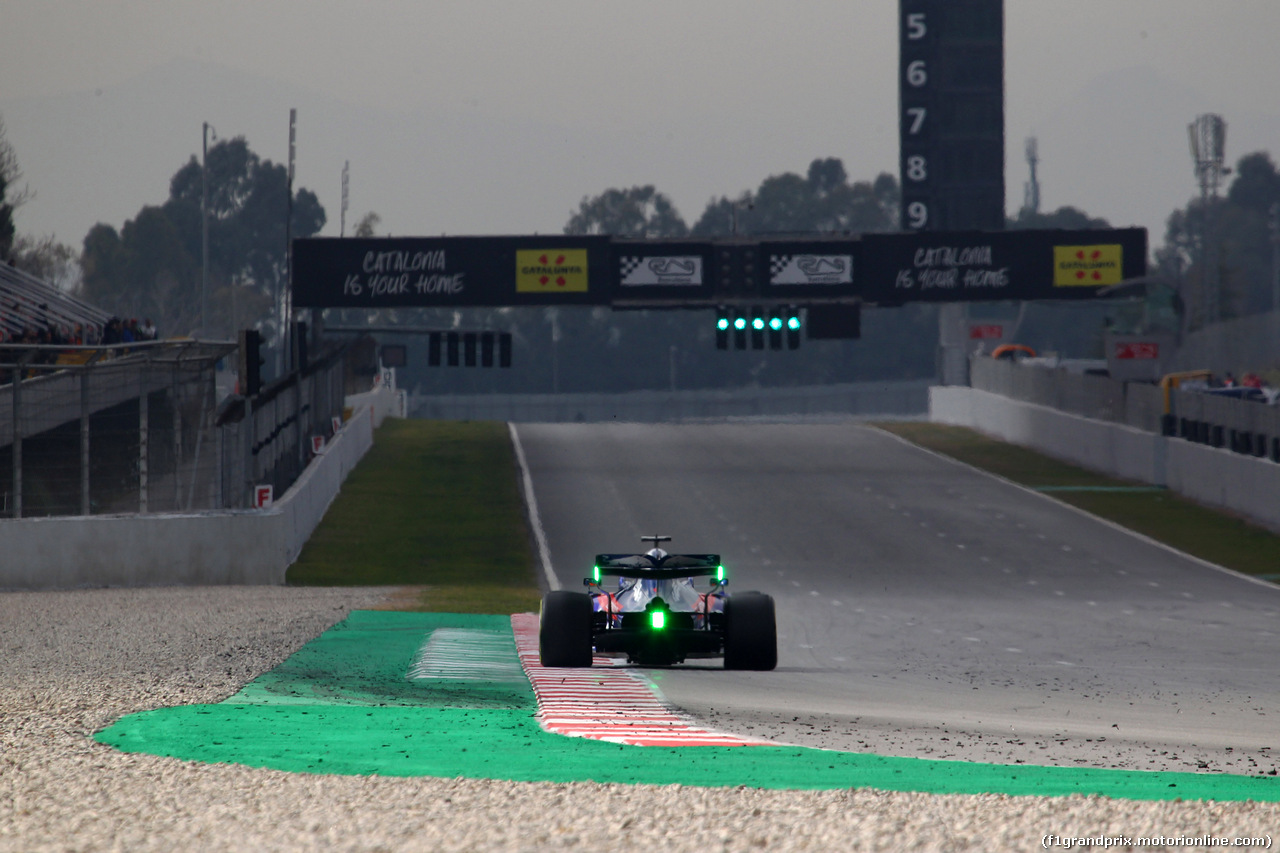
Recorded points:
638,212
152,267
7,230
822,201
48,259
11,198
1256,185
43,257
1238,226
1064,217
368,225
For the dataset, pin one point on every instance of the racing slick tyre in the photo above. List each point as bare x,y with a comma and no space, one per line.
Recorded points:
564,629
750,632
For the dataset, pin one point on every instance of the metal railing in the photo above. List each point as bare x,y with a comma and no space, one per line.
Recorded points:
109,430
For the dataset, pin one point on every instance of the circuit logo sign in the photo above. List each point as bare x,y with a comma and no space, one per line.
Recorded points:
551,271
661,270
810,269
1088,266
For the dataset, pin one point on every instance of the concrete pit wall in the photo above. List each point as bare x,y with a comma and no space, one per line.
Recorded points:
1215,477
208,548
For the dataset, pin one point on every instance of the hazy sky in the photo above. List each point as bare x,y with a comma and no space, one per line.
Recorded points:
484,116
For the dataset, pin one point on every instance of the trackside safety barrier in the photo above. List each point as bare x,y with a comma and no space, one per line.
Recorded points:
1212,476
1247,427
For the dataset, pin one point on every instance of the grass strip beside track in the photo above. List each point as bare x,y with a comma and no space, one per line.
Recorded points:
344,705
433,505
1162,515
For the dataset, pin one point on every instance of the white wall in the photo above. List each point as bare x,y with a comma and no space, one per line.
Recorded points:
1208,475
1100,445
859,398
228,547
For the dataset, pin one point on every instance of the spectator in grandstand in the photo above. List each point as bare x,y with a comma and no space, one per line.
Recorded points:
148,330
111,332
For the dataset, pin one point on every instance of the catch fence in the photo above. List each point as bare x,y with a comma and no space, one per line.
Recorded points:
268,439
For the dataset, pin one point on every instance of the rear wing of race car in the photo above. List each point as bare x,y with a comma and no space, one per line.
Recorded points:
670,566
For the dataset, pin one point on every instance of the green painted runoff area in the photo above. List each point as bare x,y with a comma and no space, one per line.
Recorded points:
344,704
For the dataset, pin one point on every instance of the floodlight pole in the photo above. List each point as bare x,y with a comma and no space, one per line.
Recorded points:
1273,224
1208,136
288,249
204,222
342,214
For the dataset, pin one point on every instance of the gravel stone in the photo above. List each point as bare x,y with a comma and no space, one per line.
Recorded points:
73,662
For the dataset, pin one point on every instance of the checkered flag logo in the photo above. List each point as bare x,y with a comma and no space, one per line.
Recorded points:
777,263
628,265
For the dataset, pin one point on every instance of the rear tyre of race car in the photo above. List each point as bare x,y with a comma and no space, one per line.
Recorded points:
564,629
750,632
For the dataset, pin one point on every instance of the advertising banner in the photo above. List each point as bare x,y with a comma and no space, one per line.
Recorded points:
1088,266
975,266
551,271
881,269
427,272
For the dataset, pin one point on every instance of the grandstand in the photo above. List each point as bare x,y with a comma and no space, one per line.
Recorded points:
28,302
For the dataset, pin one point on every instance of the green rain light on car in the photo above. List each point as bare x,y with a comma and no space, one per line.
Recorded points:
657,619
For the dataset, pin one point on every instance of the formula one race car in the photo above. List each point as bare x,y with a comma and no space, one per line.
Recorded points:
656,616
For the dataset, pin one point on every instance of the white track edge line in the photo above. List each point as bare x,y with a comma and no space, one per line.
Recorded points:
1108,522
535,520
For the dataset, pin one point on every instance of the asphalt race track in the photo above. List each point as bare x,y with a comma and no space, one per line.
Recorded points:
924,608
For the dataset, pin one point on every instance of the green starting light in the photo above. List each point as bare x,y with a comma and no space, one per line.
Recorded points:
740,323
657,619
793,323
723,324
775,323
757,323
